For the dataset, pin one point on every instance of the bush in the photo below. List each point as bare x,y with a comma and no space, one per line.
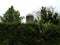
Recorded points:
29,34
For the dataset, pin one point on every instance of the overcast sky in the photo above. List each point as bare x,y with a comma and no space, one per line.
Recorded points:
27,6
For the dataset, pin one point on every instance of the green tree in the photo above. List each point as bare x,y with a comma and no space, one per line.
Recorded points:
11,15
48,16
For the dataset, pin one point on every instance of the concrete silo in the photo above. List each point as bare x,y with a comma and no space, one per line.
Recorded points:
29,18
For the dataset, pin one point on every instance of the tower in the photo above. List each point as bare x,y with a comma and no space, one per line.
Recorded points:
29,18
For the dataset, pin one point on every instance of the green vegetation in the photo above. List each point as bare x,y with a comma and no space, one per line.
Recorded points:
13,32
11,15
29,34
48,16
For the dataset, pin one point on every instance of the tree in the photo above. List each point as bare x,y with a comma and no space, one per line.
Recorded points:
11,15
48,15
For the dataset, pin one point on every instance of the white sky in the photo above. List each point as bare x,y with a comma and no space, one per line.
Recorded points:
27,6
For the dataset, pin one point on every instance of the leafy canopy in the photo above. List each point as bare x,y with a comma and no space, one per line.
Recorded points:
11,15
47,16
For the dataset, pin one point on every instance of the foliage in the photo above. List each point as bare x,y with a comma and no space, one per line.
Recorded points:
29,34
11,15
47,16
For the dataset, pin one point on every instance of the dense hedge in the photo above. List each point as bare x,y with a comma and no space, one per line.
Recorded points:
29,34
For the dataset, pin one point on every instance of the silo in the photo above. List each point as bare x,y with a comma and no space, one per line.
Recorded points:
29,18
